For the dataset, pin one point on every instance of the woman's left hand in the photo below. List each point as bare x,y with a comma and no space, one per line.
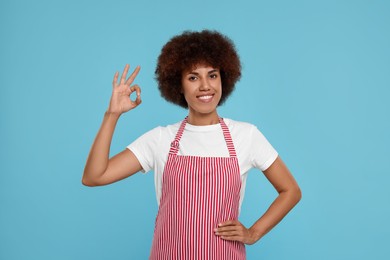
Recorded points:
235,231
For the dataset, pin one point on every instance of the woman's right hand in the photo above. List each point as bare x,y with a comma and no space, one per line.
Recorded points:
120,100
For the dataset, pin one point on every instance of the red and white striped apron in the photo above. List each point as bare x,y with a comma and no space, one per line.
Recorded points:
197,194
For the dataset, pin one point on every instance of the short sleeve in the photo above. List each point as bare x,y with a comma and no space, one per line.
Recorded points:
263,153
144,148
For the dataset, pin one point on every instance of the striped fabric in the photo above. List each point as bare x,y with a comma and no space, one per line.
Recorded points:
197,194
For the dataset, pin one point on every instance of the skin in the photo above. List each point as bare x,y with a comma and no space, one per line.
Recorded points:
289,195
197,85
202,89
99,169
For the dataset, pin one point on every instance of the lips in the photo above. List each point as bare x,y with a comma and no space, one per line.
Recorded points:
205,98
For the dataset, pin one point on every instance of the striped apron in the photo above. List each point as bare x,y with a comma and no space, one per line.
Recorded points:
197,194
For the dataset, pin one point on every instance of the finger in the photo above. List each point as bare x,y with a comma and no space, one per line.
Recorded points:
137,101
232,238
136,89
228,228
124,74
115,80
133,75
228,233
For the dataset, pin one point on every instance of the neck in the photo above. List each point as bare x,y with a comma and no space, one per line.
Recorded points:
203,119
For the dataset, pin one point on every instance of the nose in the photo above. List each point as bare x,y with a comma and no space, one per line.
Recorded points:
205,85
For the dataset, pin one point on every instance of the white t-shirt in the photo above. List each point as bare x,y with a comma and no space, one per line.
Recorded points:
252,148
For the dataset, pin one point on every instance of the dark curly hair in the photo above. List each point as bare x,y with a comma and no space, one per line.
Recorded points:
185,51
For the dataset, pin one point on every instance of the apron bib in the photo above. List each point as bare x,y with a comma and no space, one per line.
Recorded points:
197,194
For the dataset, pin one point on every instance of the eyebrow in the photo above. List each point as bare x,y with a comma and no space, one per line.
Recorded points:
209,72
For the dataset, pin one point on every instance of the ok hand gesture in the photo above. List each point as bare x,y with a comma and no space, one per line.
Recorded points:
120,100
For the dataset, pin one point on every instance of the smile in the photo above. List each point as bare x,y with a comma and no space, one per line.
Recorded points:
206,98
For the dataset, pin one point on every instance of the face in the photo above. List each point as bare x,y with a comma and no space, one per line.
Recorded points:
202,89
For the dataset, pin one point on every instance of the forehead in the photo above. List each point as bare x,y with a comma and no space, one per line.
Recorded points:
199,67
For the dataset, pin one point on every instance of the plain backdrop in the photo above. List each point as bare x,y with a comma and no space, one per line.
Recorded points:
315,80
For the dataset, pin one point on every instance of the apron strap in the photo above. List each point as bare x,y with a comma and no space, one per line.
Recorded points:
226,134
228,138
175,143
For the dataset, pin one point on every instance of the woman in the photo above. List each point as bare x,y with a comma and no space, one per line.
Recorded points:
200,163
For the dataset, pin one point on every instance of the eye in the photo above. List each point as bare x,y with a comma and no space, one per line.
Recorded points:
213,76
192,78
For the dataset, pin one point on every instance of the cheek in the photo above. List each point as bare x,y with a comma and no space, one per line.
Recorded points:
220,89
186,94
188,89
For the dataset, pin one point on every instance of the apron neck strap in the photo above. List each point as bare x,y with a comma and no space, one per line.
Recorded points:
228,138
226,134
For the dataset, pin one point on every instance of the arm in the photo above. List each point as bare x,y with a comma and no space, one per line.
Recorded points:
99,169
289,195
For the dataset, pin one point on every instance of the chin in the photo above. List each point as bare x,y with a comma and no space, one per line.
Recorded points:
204,111
203,108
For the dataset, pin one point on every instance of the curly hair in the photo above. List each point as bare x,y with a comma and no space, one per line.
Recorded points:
185,51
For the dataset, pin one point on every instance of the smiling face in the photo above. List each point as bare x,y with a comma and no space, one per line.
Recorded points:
202,89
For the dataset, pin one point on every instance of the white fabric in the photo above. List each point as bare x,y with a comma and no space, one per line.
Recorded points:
252,148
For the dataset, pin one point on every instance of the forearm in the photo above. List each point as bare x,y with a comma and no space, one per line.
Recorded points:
97,161
276,212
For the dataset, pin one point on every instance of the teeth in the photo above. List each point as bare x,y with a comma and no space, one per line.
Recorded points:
205,97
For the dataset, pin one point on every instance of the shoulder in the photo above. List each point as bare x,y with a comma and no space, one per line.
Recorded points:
239,127
154,140
245,132
168,130
160,135
156,135
163,130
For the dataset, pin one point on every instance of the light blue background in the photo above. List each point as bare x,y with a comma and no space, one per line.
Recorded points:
315,81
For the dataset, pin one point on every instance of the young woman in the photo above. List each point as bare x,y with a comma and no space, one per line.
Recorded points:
200,163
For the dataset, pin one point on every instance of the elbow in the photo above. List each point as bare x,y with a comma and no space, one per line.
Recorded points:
293,193
297,194
88,182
